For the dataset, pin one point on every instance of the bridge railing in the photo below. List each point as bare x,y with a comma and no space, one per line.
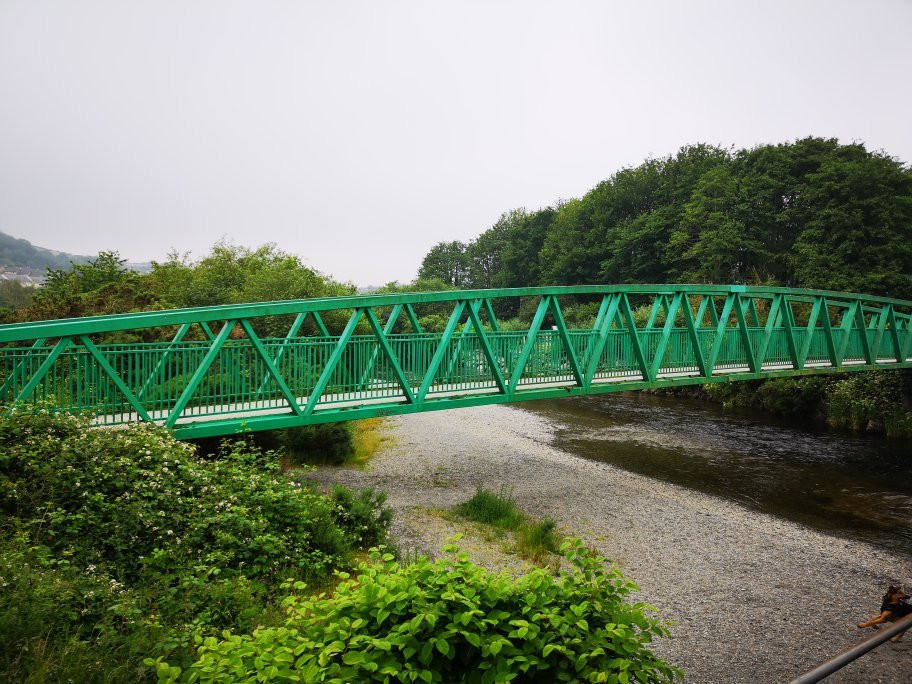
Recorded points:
218,368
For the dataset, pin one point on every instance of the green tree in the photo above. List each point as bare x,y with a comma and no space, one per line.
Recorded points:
520,260
484,255
15,295
101,286
710,244
237,275
858,231
446,261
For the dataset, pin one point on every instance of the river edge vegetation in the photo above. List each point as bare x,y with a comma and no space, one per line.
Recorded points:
128,556
810,213
534,540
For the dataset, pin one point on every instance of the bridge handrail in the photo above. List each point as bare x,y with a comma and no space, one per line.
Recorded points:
88,325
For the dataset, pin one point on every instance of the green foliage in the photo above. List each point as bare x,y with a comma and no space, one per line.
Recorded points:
235,275
446,621
324,444
535,540
59,622
779,396
811,213
880,401
103,285
446,262
434,322
136,499
492,508
361,515
15,295
121,543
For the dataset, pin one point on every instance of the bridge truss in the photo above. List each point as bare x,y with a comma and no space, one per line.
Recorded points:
220,370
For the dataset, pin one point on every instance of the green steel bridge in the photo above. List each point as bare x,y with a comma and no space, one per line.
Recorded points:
220,370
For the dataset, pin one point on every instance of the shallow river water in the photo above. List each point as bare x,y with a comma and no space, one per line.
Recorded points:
855,486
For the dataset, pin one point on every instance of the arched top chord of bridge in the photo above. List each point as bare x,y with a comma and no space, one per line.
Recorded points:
219,370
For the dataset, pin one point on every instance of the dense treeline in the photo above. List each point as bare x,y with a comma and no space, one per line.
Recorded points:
812,213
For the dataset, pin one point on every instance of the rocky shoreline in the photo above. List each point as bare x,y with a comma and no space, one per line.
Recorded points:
754,598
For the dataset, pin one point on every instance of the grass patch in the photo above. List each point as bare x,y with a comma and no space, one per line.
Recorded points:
368,437
492,508
533,539
536,540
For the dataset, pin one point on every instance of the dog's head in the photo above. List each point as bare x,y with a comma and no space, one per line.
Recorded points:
896,593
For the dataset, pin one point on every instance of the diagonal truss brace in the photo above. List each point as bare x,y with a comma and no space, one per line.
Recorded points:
390,355
115,378
271,367
175,413
333,361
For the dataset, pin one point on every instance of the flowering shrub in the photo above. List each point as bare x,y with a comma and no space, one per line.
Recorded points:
136,499
448,621
128,538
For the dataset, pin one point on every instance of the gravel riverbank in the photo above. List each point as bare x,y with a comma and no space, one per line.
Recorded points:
755,598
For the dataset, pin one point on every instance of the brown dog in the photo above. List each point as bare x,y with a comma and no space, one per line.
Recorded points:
892,608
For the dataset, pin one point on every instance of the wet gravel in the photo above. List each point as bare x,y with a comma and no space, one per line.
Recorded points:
754,598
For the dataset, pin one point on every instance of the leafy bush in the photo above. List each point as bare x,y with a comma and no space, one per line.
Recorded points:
137,499
446,621
325,444
361,515
875,401
115,544
780,396
62,623
878,401
534,538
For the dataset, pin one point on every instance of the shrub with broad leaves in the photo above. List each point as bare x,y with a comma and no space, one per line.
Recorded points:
448,621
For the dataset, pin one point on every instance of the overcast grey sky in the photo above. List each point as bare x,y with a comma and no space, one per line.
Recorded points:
359,134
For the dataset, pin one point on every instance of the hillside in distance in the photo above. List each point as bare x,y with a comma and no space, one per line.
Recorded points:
20,255
16,253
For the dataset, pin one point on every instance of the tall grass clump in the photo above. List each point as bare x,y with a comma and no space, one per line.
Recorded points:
536,539
492,508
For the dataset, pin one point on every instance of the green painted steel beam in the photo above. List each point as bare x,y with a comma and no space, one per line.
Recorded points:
115,378
529,343
489,354
382,340
99,324
564,335
333,361
199,374
440,352
271,369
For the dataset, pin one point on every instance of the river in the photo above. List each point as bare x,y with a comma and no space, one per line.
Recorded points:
854,485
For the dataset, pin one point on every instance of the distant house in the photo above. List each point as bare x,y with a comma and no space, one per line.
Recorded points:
29,277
